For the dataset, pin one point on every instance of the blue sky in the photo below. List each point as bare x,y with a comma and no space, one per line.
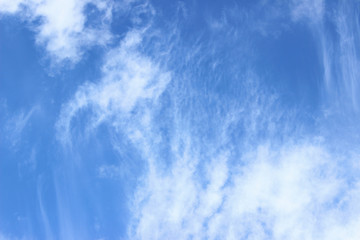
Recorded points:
179,119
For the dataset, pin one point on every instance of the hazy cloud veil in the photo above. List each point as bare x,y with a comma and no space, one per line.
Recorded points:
235,122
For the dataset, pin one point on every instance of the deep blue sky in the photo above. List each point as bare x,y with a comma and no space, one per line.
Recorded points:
179,120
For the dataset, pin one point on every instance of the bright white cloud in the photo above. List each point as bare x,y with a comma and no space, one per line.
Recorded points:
10,6
62,24
293,192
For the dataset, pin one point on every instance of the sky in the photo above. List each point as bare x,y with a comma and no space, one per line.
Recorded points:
160,119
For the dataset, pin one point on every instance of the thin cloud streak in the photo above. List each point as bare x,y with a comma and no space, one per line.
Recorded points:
16,124
339,52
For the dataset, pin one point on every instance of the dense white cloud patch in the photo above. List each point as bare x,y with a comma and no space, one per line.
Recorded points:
10,6
287,192
61,25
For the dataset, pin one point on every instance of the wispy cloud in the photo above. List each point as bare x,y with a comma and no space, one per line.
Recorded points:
340,58
43,213
15,125
9,237
110,172
129,79
336,33
221,167
307,10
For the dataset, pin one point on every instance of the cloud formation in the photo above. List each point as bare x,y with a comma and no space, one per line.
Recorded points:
312,11
291,192
341,59
237,171
129,79
61,26
223,157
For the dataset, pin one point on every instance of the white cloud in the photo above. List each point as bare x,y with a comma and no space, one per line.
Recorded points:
62,28
337,33
293,192
129,78
340,58
10,6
